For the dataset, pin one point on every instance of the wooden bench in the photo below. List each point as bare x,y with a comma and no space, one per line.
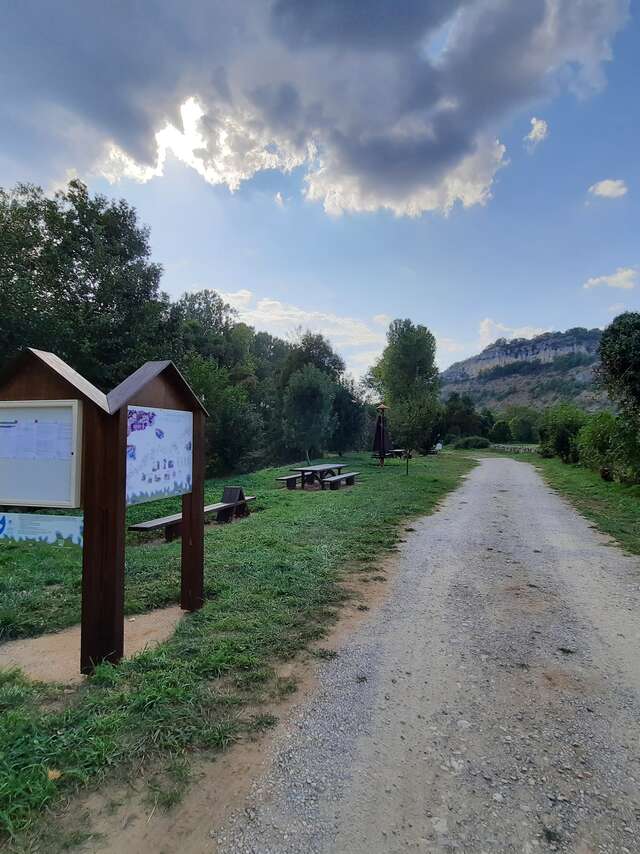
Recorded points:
290,480
234,503
335,481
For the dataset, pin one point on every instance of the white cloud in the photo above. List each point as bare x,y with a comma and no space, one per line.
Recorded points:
279,199
358,342
469,183
538,133
625,278
489,330
610,188
379,110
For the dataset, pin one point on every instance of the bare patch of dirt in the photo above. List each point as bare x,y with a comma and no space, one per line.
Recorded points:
56,657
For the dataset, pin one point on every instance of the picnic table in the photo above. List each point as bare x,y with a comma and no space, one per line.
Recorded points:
318,472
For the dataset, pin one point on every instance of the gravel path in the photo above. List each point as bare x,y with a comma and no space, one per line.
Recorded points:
491,705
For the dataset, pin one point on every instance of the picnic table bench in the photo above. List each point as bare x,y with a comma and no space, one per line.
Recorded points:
289,480
335,480
234,503
319,472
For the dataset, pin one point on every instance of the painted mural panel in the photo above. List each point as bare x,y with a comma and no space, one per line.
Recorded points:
159,453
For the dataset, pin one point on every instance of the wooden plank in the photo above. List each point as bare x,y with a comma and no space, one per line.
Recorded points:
104,472
192,577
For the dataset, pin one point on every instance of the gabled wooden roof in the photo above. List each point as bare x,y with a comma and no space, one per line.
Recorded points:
129,388
64,371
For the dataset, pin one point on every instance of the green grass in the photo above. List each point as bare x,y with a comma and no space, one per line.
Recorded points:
272,588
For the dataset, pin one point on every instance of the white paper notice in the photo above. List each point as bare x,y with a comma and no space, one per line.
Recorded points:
31,439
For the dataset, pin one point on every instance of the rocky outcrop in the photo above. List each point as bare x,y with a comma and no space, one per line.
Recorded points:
544,348
552,367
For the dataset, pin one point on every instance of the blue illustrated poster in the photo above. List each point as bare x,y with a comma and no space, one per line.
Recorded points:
159,453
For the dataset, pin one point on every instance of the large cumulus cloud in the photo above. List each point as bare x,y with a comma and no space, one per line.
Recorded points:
390,103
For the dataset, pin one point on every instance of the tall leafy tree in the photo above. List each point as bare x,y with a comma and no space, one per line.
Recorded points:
348,417
620,361
312,348
409,378
307,410
76,277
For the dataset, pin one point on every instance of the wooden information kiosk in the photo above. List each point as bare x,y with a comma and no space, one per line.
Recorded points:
63,443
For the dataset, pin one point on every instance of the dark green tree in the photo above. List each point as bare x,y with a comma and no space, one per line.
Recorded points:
312,348
619,369
348,417
76,277
501,432
307,416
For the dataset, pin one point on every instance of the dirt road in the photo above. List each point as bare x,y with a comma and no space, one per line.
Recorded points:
491,705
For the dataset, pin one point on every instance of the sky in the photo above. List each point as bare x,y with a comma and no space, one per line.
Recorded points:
331,164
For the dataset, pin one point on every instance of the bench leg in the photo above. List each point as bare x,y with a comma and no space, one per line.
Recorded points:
334,484
225,515
291,484
242,510
349,481
172,532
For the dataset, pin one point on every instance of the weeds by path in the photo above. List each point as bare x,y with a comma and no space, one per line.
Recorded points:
272,587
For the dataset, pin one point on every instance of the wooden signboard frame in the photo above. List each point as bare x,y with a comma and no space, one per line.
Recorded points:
37,375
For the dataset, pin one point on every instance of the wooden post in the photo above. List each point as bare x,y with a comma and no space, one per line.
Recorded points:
104,472
192,580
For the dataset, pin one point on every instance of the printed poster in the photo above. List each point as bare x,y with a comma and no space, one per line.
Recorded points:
40,527
159,453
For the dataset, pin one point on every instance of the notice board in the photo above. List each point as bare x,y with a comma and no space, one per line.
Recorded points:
40,453
159,453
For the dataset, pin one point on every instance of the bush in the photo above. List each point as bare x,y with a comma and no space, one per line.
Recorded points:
501,432
559,430
472,442
595,444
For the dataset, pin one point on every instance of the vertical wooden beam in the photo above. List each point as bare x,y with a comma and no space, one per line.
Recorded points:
192,581
104,475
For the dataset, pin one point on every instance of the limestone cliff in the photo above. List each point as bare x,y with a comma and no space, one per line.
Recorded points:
553,367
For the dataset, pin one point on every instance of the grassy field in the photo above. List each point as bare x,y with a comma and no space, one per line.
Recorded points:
272,588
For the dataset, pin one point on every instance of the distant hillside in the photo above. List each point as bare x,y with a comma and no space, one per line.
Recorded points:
554,367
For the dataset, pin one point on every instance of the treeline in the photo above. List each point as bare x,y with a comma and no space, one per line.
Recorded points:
76,278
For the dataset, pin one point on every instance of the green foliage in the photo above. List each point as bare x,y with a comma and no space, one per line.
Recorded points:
307,409
472,442
460,417
620,361
610,445
348,418
408,376
523,421
269,592
412,423
312,349
559,429
407,367
76,278
501,432
595,443
536,366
